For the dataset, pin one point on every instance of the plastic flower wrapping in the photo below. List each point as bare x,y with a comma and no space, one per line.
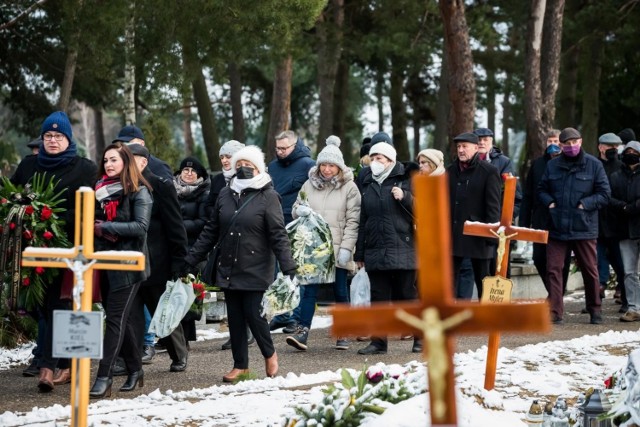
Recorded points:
28,217
282,296
312,249
623,389
362,396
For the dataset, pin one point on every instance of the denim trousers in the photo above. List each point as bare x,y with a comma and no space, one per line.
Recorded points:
149,337
630,251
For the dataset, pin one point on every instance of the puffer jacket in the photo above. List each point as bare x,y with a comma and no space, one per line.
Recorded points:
289,174
246,259
625,201
569,182
338,202
386,232
130,226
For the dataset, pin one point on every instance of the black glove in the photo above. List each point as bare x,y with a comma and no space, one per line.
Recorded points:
179,269
190,269
290,273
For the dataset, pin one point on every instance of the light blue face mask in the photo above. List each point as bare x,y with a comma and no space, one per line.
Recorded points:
553,149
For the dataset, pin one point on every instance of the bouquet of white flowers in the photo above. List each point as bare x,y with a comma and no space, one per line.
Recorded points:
312,248
282,296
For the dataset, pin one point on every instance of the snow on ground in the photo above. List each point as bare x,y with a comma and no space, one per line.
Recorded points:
548,369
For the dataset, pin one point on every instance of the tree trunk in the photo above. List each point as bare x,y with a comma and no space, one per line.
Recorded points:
533,92
461,81
550,62
280,104
329,34
592,71
186,127
129,68
379,100
440,136
568,88
491,95
71,60
98,134
506,120
399,115
340,104
235,92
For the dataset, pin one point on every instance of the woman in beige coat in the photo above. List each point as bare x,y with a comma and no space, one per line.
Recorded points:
332,193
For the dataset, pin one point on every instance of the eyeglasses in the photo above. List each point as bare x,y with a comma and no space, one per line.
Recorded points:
281,149
188,170
58,137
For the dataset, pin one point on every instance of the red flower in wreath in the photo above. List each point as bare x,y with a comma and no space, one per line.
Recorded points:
47,235
3,201
28,210
39,270
12,225
27,234
26,281
198,289
46,213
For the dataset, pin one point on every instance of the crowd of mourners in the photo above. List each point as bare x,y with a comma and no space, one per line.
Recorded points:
589,204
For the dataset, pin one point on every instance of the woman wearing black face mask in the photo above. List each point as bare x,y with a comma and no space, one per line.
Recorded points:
625,198
248,225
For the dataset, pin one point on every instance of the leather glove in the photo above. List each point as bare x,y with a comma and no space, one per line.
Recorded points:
97,227
344,256
303,210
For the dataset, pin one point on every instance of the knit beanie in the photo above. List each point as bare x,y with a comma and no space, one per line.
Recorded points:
626,135
229,148
385,149
251,153
331,153
193,163
381,137
436,157
57,122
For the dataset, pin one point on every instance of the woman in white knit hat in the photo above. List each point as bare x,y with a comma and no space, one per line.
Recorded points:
332,193
386,235
247,224
222,179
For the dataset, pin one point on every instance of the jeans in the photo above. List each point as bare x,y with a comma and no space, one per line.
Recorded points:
609,253
630,251
303,313
340,291
149,337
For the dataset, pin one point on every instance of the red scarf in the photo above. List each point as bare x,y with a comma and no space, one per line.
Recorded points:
109,192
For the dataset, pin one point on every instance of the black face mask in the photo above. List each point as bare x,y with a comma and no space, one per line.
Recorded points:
630,159
611,153
244,172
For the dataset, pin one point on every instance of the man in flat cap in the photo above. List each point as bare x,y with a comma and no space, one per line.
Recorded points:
574,187
474,194
610,230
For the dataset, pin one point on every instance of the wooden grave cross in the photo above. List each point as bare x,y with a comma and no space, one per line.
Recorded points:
82,260
504,232
436,315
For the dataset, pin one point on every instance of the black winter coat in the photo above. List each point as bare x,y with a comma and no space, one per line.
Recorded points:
386,233
246,259
504,165
193,208
130,225
218,182
474,195
532,212
80,172
167,236
610,221
625,201
569,182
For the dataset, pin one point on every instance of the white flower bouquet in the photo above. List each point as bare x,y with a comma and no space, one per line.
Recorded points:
282,296
312,248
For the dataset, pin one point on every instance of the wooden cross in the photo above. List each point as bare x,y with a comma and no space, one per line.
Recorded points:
435,282
504,232
82,259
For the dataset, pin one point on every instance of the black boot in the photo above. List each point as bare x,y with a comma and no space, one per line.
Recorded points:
101,388
250,340
417,345
137,378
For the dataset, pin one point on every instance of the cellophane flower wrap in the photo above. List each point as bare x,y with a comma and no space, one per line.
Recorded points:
199,289
28,217
312,249
282,296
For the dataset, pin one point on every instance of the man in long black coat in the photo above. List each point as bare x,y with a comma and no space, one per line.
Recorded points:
167,243
474,194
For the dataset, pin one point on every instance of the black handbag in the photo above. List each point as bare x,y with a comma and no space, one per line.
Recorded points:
209,273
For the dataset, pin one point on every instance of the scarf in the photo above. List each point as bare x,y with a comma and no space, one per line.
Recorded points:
228,174
184,189
51,162
109,192
380,178
257,182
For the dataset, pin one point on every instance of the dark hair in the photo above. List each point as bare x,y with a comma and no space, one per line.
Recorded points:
131,177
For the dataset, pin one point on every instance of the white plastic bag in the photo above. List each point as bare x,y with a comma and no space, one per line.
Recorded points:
173,305
282,296
360,288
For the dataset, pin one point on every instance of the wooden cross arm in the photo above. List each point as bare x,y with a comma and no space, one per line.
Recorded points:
478,229
106,260
380,318
47,257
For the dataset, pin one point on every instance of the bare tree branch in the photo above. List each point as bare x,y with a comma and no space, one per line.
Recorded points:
22,15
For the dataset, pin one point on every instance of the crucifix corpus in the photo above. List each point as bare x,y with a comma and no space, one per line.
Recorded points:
498,288
82,260
437,316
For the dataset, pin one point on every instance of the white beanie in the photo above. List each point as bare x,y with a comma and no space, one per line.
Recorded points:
251,153
331,153
229,148
436,157
385,149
